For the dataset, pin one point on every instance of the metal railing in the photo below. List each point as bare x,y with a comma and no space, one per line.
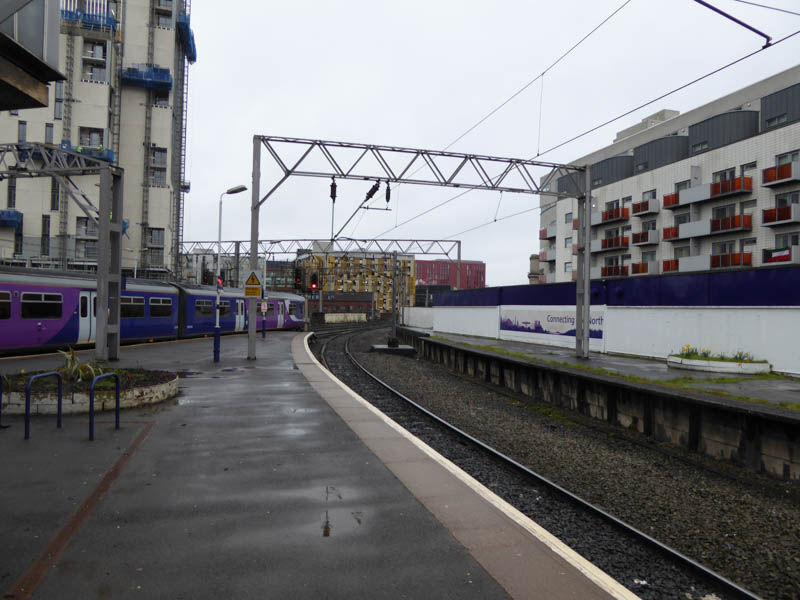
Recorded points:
28,400
91,402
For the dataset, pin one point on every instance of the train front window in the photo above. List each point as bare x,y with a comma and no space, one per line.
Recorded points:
270,310
131,307
5,305
41,306
292,309
203,308
160,307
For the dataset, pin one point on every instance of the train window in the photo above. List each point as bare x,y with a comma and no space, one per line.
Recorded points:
84,307
160,307
270,309
5,305
131,307
41,306
292,308
203,308
224,308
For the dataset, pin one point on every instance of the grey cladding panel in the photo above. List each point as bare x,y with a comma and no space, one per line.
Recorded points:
785,102
721,130
612,169
660,152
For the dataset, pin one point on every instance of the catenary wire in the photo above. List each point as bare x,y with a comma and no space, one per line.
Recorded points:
783,10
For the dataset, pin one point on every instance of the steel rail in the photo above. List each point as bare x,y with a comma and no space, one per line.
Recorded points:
729,586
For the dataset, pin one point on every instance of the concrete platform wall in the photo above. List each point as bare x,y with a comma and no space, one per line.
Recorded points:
761,439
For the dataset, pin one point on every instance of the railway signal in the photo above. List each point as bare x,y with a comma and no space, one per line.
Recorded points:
314,284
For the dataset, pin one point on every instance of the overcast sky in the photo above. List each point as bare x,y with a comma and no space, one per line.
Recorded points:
421,72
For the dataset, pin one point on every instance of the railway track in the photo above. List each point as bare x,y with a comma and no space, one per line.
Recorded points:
648,567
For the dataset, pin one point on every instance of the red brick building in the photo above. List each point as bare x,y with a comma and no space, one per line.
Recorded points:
444,272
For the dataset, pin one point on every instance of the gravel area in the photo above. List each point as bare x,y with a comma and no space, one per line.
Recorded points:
740,524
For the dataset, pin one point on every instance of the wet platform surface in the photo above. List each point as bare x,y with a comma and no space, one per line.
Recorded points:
263,479
777,391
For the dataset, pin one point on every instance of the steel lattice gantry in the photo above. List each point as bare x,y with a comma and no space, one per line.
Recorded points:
32,159
301,157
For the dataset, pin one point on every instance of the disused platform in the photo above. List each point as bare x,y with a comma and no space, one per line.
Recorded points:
264,479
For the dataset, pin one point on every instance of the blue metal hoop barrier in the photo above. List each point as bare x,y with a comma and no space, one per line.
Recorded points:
91,402
28,400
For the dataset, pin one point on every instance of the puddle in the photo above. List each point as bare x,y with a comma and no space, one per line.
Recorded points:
187,373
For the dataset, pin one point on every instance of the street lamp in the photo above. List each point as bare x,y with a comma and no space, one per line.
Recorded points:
234,190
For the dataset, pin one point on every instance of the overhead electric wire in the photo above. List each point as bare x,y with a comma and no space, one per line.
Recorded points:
662,96
514,95
783,10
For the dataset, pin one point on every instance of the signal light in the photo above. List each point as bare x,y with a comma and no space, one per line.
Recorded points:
314,284
298,278
219,283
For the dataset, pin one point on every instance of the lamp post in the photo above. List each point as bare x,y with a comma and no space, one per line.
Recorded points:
234,190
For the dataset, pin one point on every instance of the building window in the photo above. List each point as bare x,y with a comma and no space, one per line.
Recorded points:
681,252
567,267
649,256
773,121
568,242
158,176
613,205
728,247
58,105
746,245
699,147
682,218
748,207
648,195
683,185
724,175
93,73
45,245
155,257
568,218
54,194
649,225
90,136
84,227
720,212
158,157
48,133
13,112
785,159
22,132
786,199
786,240
161,98
165,21
11,199
751,166
86,249
155,237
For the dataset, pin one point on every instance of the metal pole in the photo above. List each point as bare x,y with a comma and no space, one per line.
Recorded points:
458,273
321,282
394,295
216,281
251,325
583,284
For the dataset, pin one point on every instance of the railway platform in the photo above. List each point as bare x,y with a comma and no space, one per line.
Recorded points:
263,479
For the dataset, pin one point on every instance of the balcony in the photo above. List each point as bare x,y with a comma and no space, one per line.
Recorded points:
715,191
604,245
574,249
670,265
713,227
738,259
96,22
547,233
689,264
671,200
614,271
575,224
781,174
780,216
548,255
149,77
574,276
644,238
671,233
646,207
614,214
781,256
644,268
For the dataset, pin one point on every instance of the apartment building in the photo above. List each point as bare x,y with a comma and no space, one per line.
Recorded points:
715,188
123,101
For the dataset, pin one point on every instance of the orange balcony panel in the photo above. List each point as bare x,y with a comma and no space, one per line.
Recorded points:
614,214
543,234
671,200
778,173
670,265
574,223
671,233
783,213
639,268
739,184
641,207
614,271
738,259
615,242
641,238
736,222
575,248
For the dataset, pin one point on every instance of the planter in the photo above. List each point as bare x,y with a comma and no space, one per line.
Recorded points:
46,403
718,366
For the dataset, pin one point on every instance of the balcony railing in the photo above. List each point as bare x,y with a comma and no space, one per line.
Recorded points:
720,261
645,237
543,234
640,268
728,223
731,186
574,223
615,242
575,249
614,271
615,214
671,233
780,174
646,207
670,265
782,214
671,200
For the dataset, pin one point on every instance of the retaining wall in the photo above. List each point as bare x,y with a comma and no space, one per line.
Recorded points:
761,438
